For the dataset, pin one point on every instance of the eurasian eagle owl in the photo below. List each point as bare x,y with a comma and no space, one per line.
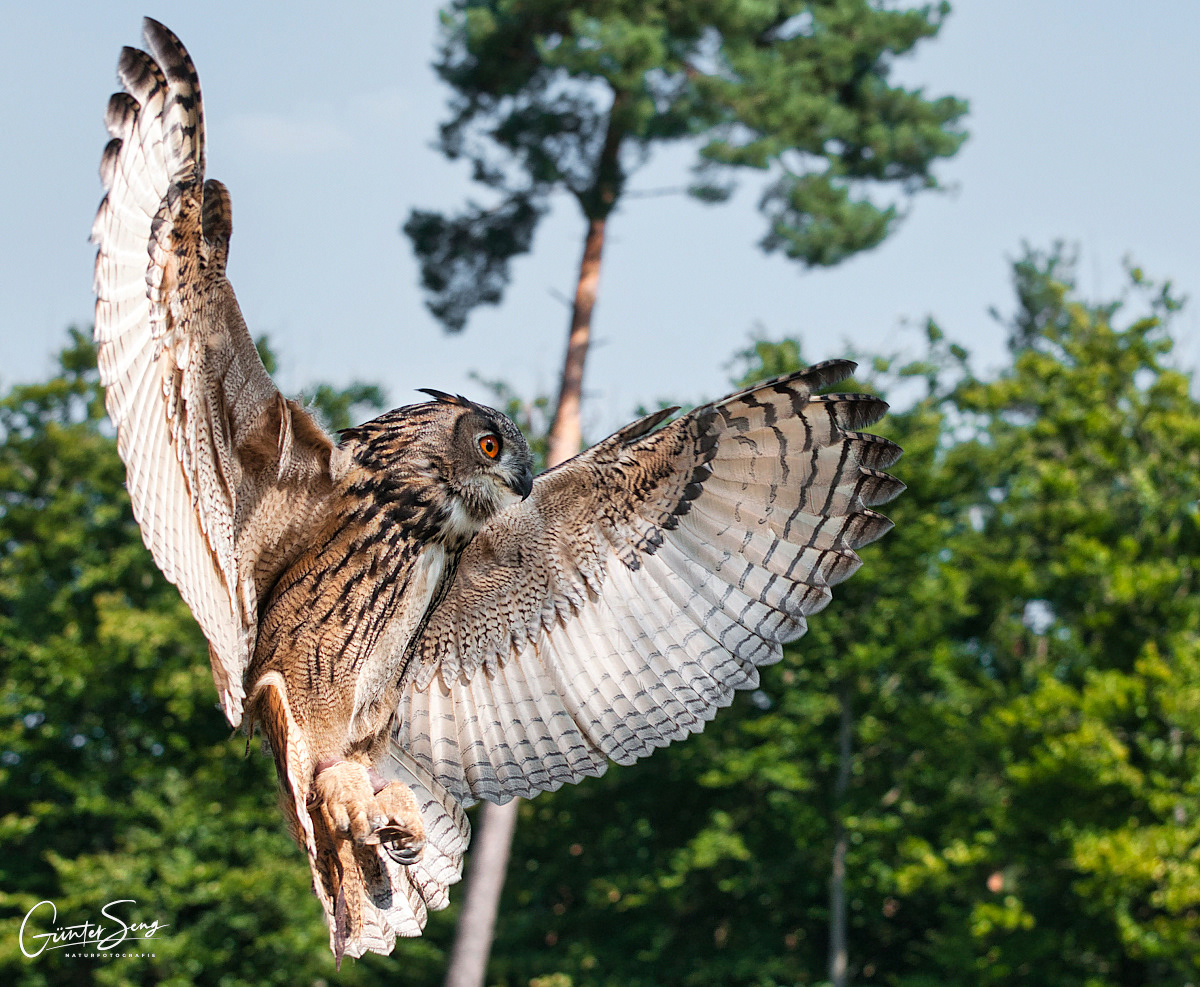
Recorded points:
413,621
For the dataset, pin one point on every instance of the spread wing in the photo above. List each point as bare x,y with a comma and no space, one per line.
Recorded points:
619,606
201,429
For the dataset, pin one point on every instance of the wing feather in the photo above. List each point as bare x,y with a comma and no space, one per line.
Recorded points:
644,718
518,746
500,754
584,756
651,631
197,416
642,584
445,759
603,712
681,704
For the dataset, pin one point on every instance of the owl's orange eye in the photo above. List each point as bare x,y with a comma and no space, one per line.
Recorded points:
490,446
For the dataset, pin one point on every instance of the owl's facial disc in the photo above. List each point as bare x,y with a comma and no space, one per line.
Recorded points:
493,468
506,464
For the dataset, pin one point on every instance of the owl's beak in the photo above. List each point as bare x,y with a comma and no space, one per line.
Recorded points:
522,483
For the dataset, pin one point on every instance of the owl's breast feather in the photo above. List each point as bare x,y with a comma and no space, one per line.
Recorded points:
382,667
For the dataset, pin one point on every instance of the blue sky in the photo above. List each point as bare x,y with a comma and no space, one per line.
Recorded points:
1085,124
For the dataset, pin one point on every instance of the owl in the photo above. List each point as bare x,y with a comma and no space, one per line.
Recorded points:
412,620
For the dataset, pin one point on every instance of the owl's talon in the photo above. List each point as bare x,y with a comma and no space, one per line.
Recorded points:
353,810
403,835
401,854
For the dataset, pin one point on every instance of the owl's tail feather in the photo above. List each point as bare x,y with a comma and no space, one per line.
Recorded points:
369,898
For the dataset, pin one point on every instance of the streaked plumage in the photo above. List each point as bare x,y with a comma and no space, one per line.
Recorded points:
412,623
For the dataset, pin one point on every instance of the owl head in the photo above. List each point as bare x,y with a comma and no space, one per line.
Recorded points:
459,461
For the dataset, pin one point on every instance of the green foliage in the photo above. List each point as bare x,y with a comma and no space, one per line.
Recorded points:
568,95
1019,660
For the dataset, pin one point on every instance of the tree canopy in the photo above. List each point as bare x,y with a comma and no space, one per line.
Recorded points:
1018,663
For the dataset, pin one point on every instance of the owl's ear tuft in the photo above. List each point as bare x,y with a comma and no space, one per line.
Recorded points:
444,398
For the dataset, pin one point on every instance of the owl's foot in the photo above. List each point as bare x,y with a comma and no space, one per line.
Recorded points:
359,805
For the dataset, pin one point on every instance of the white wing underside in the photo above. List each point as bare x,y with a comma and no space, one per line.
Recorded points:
183,382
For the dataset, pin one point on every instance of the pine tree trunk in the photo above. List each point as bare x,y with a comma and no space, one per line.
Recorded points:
837,878
493,842
566,434
477,920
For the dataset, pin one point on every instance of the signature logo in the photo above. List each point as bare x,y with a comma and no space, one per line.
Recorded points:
85,935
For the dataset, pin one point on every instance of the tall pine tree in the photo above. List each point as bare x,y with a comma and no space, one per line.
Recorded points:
562,95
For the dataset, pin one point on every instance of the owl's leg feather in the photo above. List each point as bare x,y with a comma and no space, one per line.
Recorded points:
347,800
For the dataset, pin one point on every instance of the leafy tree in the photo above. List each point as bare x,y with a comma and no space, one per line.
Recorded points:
1084,583
1017,664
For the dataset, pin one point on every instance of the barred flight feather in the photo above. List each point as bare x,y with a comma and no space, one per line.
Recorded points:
723,532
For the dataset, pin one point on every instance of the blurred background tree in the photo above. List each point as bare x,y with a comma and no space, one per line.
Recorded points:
1016,666
573,97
